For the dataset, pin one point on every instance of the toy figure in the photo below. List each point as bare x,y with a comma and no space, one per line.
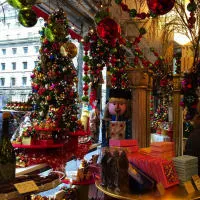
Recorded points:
104,168
94,122
116,123
111,172
123,176
116,171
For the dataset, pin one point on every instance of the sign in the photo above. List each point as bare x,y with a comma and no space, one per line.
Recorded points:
189,187
160,188
25,187
196,180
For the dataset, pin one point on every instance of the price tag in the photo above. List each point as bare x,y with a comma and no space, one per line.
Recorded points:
196,180
25,187
189,187
160,188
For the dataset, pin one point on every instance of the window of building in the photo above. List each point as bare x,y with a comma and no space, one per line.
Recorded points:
14,50
24,81
36,63
25,65
14,65
25,49
2,81
3,66
13,81
4,51
36,49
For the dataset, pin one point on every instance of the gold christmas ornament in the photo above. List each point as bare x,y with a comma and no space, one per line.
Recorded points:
68,49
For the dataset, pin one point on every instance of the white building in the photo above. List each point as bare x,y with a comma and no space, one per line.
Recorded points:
19,51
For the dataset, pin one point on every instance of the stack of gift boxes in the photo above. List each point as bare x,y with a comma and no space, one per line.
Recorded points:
163,150
186,166
161,170
157,164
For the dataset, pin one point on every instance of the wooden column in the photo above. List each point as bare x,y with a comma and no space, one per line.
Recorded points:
140,84
177,116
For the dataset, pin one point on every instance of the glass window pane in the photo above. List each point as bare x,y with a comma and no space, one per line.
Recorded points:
25,49
4,51
14,50
13,81
3,66
25,65
24,81
14,65
2,81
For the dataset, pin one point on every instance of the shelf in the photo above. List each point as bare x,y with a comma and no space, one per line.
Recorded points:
37,146
75,133
88,182
47,129
15,111
126,196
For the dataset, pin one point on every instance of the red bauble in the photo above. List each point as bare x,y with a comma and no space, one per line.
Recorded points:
85,87
160,7
108,29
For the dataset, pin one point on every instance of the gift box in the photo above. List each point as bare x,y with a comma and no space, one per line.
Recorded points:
162,146
157,168
123,143
27,140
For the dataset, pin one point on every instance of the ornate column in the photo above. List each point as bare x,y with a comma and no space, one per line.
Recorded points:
140,84
177,116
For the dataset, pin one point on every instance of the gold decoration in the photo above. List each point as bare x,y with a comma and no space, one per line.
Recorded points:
68,49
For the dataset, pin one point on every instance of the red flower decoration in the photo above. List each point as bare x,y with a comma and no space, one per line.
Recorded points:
160,7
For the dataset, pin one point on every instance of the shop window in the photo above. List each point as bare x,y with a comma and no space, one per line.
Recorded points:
3,66
25,49
4,51
24,81
14,50
2,81
25,65
14,65
13,81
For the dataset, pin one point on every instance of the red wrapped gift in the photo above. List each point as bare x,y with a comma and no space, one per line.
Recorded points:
123,143
162,146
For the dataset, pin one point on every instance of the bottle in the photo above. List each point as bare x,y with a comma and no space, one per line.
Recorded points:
7,153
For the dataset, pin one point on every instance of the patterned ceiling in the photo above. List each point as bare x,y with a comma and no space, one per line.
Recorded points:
80,12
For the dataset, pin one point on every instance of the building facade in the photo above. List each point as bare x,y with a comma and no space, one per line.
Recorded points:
19,54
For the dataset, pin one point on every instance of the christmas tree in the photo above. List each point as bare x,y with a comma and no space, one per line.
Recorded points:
54,79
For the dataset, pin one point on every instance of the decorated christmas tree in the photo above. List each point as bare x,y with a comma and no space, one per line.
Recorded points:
54,79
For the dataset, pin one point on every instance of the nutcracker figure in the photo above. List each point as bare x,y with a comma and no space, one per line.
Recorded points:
116,123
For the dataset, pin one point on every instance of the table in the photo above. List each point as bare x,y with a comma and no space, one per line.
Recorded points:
174,193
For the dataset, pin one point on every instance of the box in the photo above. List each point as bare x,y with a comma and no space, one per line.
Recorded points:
27,141
123,143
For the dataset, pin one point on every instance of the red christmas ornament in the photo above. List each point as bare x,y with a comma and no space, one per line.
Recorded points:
108,29
160,7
